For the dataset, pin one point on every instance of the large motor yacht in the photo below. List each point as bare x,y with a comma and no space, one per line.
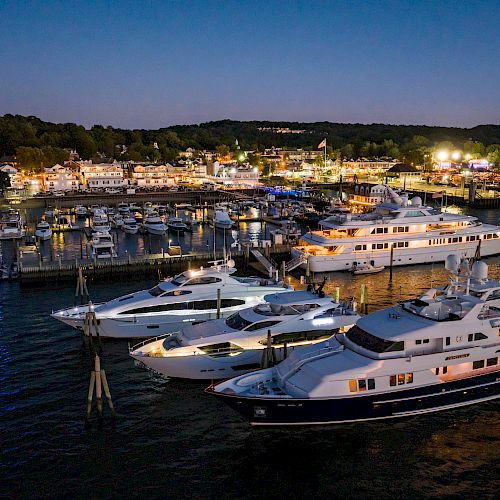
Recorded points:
415,234
153,223
436,352
227,347
189,297
11,225
102,246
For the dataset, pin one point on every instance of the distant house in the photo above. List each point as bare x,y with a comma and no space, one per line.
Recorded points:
102,175
151,176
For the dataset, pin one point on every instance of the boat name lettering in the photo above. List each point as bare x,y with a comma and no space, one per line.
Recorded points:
458,356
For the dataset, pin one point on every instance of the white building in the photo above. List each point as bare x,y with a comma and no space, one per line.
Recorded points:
151,176
102,175
59,178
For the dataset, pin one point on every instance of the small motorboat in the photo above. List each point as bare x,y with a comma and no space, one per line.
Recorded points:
130,225
176,224
43,231
366,269
102,246
81,211
153,223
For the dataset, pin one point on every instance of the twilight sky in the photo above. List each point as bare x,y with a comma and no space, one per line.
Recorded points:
147,64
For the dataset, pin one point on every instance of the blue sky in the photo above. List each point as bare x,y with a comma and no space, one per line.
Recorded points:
157,63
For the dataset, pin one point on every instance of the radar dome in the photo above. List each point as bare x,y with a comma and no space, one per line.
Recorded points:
416,201
231,263
480,270
452,263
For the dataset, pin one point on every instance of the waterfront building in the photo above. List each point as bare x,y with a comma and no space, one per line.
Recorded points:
102,175
151,176
367,195
59,178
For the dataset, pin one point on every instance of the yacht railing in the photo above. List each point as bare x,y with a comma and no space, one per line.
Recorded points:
147,341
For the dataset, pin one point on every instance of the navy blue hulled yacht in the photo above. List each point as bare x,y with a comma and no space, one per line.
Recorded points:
437,352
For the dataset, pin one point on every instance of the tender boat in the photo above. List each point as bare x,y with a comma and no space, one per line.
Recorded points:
416,234
189,297
226,347
437,352
366,269
102,246
43,231
153,223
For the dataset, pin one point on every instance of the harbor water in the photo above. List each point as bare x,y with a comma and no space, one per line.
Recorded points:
170,440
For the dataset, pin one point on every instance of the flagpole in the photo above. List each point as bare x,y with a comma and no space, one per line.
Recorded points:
325,154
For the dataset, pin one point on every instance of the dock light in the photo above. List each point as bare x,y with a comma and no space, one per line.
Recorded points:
456,155
467,156
442,155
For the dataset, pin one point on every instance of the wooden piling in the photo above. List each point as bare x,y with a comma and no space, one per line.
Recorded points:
98,386
107,393
218,302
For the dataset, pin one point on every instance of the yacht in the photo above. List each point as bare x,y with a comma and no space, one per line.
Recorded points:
437,352
153,223
117,221
226,347
81,211
123,209
100,222
102,246
11,225
189,297
176,224
407,232
130,225
43,231
221,219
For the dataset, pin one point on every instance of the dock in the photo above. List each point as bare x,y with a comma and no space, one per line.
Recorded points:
159,265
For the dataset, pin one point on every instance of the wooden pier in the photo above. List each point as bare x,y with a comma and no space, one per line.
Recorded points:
150,265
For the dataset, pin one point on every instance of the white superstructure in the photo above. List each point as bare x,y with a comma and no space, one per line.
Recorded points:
416,234
227,347
187,298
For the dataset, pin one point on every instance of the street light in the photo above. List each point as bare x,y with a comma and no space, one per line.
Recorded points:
442,155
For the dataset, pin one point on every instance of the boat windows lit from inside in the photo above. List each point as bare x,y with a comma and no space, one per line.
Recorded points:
198,305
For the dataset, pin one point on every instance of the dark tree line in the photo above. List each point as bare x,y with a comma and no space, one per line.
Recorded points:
407,142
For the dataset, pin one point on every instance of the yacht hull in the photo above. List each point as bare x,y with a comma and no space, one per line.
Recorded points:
397,404
401,257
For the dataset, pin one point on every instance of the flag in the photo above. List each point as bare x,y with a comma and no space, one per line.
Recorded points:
437,195
322,144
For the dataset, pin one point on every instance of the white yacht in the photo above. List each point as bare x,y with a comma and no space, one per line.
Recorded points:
153,223
189,297
11,225
43,231
100,222
221,219
436,352
226,347
117,221
102,246
130,225
416,234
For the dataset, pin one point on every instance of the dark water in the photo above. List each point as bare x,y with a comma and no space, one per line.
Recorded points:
172,440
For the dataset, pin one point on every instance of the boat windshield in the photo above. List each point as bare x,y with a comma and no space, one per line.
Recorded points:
371,343
237,322
179,279
156,291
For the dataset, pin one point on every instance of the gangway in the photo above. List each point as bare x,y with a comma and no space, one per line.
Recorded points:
294,263
268,265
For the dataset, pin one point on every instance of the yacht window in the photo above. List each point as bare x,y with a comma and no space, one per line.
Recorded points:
292,337
236,322
359,248
380,230
478,364
491,361
201,305
223,348
447,340
479,336
392,380
204,280
176,306
156,291
494,295
400,229
371,383
401,378
179,280
372,343
353,386
445,370
409,378
362,385
261,324
414,213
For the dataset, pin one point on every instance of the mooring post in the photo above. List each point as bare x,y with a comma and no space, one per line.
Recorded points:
98,386
218,302
107,393
337,294
391,262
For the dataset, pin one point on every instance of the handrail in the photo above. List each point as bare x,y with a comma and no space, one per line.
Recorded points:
147,341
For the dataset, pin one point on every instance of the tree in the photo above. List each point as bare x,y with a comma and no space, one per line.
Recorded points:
30,158
474,148
222,150
493,154
4,180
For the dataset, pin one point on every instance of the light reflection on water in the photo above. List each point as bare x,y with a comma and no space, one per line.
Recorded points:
170,437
